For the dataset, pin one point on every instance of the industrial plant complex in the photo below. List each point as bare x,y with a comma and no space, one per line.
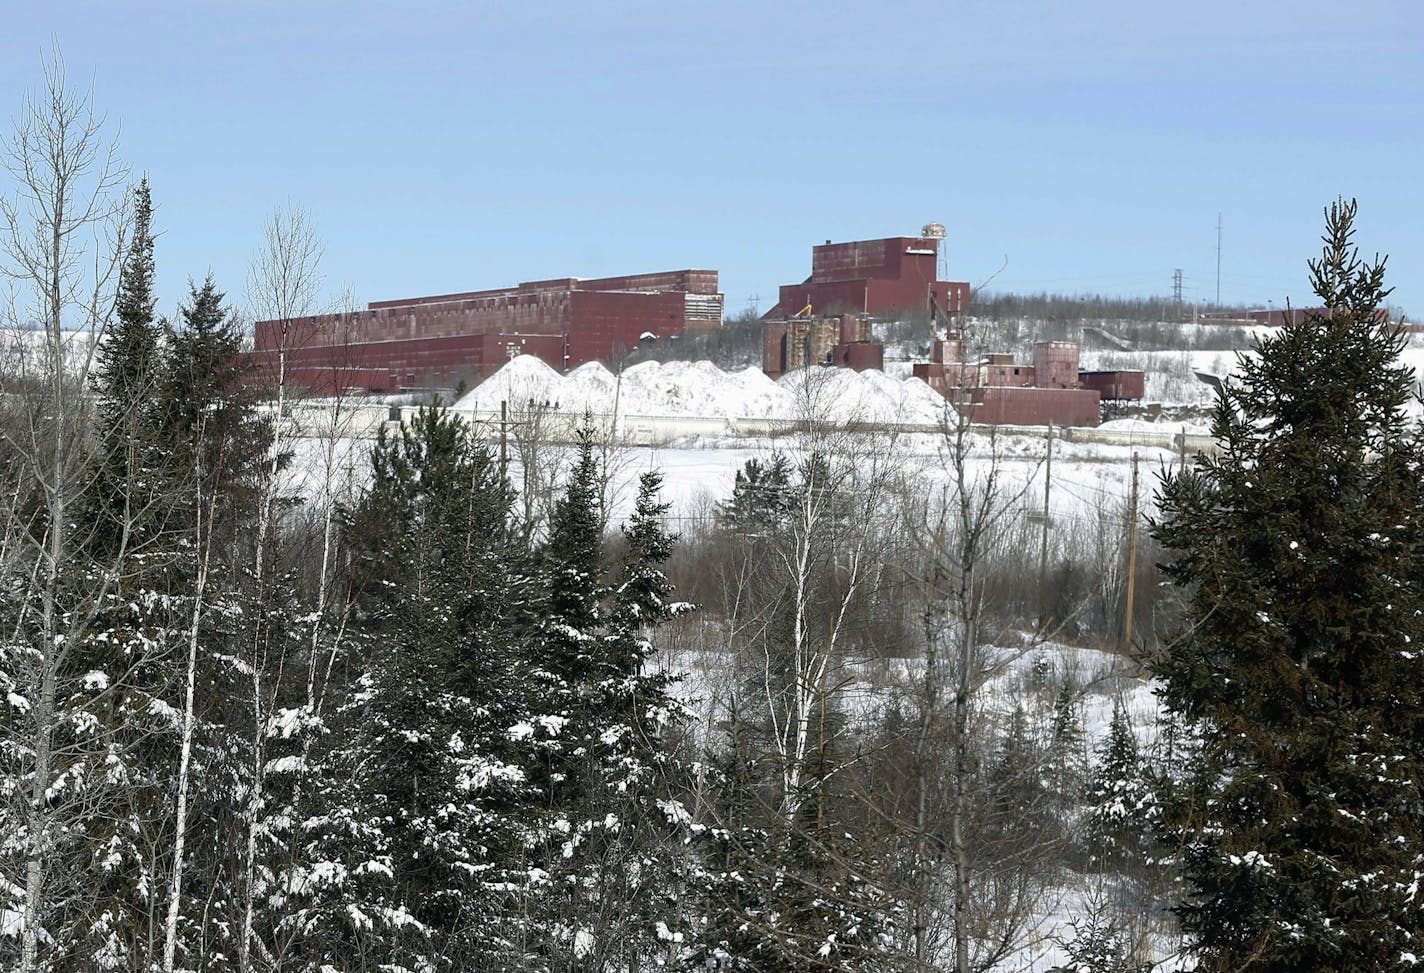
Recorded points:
453,339
827,320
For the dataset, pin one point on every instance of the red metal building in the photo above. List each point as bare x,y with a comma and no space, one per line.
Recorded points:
1277,317
443,340
843,341
1052,389
878,277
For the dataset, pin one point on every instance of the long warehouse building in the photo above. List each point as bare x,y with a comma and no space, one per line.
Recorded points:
450,340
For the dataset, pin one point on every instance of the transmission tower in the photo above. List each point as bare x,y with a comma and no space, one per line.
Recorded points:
1218,260
1177,292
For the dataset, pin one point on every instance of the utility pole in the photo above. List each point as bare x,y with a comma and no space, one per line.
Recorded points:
1044,620
503,438
1218,260
1131,560
1177,293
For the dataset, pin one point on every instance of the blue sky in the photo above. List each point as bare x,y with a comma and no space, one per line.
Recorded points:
442,146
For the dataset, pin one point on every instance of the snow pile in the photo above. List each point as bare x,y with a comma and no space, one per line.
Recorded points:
681,388
871,396
524,379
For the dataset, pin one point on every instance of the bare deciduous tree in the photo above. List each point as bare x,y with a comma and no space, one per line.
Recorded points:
282,288
962,524
62,245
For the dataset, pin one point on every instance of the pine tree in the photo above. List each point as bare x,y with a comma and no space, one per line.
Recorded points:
1299,667
128,366
419,827
606,719
206,404
1120,804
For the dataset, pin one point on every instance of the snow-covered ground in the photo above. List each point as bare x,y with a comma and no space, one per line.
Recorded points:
1026,677
1089,480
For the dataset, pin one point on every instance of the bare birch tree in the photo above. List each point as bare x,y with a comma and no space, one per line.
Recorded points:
62,246
801,568
282,288
967,510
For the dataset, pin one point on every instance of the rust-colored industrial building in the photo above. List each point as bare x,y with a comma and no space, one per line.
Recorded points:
896,275
442,341
998,390
1277,317
843,341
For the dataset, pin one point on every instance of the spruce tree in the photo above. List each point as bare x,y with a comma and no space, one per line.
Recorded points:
122,512
128,366
1298,547
573,558
602,716
762,496
206,407
126,361
419,822
1066,748
1120,804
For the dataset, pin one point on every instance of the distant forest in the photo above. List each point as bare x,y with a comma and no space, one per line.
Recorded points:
1006,322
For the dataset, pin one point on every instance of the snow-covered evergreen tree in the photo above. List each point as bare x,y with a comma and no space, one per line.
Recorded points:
1298,547
1120,800
410,860
126,498
611,886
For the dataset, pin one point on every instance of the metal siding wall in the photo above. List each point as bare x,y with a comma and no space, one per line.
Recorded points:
824,298
857,260
1115,385
1036,407
877,276
947,350
1056,363
682,281
773,342
608,323
862,355
398,335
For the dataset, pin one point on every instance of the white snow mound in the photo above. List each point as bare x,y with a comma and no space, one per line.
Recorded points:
701,389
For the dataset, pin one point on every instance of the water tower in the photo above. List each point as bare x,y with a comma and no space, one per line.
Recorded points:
935,231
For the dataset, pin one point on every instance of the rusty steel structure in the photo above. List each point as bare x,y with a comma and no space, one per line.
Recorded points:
842,340
884,278
449,339
998,390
